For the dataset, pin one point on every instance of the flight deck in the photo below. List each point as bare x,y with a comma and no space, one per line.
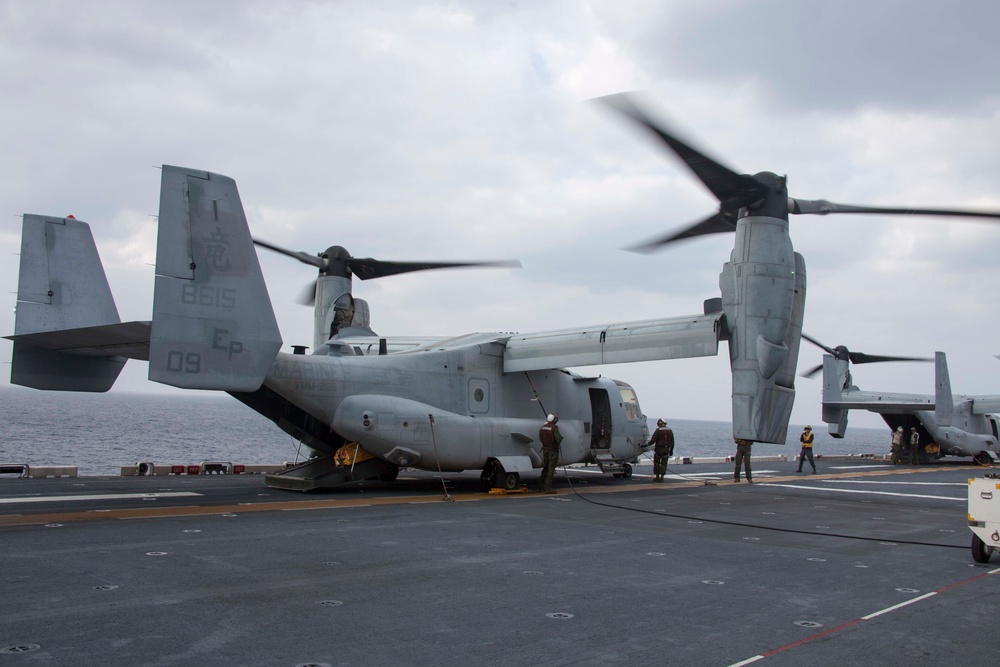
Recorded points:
861,562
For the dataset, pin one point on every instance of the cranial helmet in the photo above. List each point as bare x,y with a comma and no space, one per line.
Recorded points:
899,428
809,428
553,417
913,428
660,422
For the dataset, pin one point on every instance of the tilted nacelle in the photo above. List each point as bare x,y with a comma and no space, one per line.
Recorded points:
763,295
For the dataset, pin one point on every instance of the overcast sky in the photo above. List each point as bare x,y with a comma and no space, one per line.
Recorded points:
438,130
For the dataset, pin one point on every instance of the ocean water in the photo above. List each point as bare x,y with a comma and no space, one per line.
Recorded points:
99,433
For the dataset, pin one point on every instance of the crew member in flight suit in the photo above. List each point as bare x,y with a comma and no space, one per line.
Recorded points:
743,458
806,439
914,446
550,438
897,445
663,448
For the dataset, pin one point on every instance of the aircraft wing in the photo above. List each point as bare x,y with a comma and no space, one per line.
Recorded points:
646,340
125,339
985,405
368,345
875,402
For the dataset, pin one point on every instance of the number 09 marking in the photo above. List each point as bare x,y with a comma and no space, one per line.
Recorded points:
178,362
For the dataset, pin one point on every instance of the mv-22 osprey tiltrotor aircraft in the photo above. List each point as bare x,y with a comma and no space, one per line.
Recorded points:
946,424
471,402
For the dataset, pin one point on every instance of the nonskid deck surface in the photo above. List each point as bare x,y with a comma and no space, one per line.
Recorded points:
860,562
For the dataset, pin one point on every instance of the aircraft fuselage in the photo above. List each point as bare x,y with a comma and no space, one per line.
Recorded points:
385,403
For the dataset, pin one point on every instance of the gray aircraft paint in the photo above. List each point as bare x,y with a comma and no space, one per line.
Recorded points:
61,286
213,326
959,425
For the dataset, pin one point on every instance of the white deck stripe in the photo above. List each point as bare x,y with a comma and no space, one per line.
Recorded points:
897,606
844,626
873,493
865,481
104,496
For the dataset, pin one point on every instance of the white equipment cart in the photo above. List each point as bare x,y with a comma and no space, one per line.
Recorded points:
984,516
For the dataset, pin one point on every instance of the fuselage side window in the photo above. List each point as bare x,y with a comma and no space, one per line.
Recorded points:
630,402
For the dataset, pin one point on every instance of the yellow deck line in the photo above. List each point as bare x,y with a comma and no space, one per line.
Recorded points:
341,503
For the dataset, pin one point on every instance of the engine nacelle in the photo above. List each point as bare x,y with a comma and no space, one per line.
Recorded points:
763,295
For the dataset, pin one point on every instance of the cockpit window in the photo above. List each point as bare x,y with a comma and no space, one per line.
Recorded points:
630,402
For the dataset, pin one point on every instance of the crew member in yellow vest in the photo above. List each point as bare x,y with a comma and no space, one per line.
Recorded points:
914,446
807,448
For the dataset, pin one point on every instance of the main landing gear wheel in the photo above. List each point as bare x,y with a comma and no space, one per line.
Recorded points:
980,552
389,475
509,480
983,459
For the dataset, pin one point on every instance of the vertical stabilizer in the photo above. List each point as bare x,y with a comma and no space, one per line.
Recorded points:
944,405
213,325
61,285
836,377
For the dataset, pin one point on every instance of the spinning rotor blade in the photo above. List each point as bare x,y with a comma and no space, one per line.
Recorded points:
862,358
307,297
734,191
841,352
718,223
303,257
823,207
812,371
819,345
366,268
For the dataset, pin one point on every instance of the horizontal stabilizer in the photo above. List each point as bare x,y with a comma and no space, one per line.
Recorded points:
648,340
125,339
862,400
985,405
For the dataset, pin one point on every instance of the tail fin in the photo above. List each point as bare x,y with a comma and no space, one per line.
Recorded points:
836,376
213,325
61,286
944,404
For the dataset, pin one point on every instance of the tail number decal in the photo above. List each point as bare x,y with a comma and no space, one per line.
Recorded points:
219,343
178,362
208,296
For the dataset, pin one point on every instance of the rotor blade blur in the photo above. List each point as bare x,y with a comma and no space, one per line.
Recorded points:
733,190
823,207
812,371
862,358
719,223
303,257
307,297
366,268
818,344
